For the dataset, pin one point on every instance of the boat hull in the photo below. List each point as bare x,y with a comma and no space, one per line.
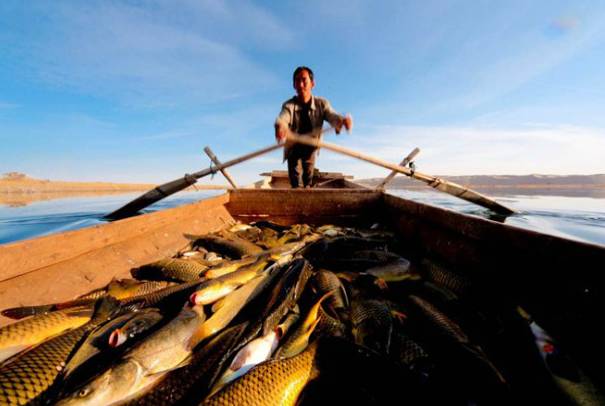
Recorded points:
560,282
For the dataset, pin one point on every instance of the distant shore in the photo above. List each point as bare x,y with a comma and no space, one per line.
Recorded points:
17,189
18,183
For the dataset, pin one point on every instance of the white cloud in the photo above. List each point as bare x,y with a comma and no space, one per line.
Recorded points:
476,150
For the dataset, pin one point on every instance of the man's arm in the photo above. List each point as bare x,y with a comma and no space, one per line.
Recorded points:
335,119
281,123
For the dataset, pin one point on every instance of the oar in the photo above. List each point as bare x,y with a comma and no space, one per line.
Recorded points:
167,189
403,163
433,181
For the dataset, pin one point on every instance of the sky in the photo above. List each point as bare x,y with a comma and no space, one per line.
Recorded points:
132,91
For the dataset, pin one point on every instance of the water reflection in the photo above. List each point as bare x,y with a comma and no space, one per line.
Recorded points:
51,216
580,218
24,199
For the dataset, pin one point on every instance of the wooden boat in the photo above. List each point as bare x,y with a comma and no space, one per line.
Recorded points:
558,281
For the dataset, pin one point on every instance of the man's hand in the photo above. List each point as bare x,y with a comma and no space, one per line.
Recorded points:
280,133
347,122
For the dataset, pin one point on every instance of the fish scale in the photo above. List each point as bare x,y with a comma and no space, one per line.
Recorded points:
372,324
446,325
327,281
35,371
276,382
182,270
189,382
17,336
446,278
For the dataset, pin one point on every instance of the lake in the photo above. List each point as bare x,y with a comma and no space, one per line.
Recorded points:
577,217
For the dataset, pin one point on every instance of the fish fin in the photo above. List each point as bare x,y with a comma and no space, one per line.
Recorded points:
344,294
191,237
238,361
181,364
105,308
26,311
314,312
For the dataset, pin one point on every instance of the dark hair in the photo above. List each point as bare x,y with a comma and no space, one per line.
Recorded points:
300,69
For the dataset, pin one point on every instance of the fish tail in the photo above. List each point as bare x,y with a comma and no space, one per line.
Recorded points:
26,311
105,308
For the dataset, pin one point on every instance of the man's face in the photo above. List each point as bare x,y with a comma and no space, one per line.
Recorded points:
303,85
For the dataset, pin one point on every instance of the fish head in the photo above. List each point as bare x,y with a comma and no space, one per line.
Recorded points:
113,385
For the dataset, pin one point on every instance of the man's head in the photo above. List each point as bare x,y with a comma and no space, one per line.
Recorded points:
303,83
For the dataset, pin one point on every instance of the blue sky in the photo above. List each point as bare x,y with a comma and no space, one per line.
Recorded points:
133,90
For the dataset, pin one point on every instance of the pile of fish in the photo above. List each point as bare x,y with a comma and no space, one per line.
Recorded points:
264,314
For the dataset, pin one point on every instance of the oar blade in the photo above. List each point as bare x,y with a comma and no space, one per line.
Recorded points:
152,196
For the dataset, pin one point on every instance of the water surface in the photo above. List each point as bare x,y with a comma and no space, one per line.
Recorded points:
576,217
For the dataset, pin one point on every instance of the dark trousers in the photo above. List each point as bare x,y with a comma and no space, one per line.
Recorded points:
301,156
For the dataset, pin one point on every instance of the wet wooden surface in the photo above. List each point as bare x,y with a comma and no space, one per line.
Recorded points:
59,267
560,282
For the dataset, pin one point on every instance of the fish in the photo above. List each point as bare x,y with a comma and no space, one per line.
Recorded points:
285,294
173,269
326,281
226,244
360,260
29,378
232,305
119,289
343,246
395,271
566,373
296,232
214,289
372,324
95,342
268,238
275,382
247,232
348,253
329,230
264,224
330,326
440,275
252,354
298,339
170,297
143,365
226,267
190,384
23,334
445,339
111,335
143,321
411,354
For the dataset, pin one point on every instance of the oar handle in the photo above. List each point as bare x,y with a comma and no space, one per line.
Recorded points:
433,181
167,189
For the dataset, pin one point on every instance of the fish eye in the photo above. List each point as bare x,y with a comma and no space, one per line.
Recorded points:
83,392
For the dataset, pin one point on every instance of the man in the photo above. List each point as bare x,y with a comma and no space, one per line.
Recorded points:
304,114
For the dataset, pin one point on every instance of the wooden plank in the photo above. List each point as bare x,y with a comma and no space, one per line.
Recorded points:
26,256
64,280
560,282
303,203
